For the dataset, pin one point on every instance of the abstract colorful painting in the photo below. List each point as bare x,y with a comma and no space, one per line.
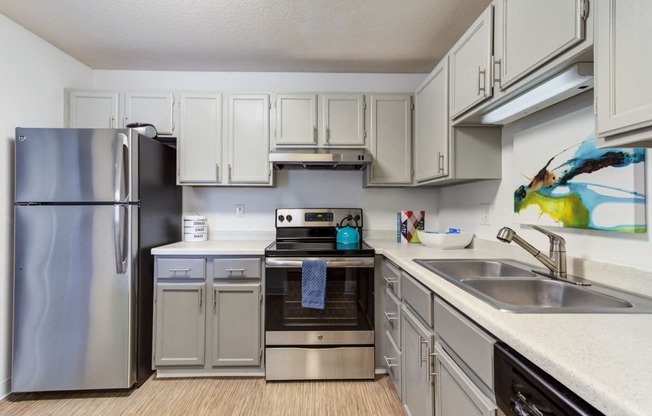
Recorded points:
563,180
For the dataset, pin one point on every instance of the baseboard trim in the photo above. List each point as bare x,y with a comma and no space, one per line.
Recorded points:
5,388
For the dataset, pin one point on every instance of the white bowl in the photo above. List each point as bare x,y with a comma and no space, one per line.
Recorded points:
444,241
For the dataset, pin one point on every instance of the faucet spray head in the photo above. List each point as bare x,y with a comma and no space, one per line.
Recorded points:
506,235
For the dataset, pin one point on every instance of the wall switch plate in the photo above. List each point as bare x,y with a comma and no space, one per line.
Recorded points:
485,214
239,210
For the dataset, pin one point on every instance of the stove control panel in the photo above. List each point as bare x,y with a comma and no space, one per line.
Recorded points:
318,217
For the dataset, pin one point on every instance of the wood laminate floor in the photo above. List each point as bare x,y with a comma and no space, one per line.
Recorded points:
218,396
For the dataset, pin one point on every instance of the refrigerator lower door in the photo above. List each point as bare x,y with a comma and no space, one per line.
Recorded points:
74,298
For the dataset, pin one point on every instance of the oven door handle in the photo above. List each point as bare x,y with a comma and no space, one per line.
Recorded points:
331,262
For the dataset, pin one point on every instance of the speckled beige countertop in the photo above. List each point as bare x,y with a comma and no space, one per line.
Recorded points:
604,358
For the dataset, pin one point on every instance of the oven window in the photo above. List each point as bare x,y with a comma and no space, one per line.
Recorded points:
348,303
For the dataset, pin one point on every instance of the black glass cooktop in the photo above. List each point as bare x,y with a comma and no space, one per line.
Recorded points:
328,248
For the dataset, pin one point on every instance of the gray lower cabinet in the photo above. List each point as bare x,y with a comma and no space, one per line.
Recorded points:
236,324
456,393
180,324
418,393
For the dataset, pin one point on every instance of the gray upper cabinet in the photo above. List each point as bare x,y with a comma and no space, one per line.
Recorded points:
432,125
470,66
199,147
92,109
296,119
343,120
530,33
248,140
152,108
180,324
236,324
391,139
622,64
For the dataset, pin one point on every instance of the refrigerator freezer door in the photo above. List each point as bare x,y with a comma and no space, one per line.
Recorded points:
74,317
76,165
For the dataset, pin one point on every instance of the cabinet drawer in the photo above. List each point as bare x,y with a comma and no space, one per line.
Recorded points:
418,297
467,341
392,278
392,316
181,268
237,268
392,360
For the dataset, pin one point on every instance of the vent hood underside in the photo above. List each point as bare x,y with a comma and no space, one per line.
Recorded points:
320,159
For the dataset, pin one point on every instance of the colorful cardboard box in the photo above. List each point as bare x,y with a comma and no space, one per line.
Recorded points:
407,222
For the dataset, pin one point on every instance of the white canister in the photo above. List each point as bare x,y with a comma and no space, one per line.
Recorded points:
195,229
195,221
193,238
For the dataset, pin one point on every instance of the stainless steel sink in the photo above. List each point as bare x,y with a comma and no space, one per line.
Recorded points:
541,293
461,269
511,286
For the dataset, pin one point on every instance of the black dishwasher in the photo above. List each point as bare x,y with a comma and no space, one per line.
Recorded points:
523,389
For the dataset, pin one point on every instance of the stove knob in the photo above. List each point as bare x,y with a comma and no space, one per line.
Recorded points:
357,218
289,218
281,218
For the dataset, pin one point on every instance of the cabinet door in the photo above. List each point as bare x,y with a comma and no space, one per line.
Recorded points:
296,119
456,393
470,61
180,324
343,120
236,324
92,109
248,139
391,139
200,141
432,125
418,387
623,63
152,108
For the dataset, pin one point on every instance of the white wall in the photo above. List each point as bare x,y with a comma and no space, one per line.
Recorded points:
460,205
293,189
33,75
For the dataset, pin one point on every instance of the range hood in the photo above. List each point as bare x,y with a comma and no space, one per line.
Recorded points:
320,159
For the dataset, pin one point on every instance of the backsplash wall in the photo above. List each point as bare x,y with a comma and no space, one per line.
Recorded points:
305,189
460,204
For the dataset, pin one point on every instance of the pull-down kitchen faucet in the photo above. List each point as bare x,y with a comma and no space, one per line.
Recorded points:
556,263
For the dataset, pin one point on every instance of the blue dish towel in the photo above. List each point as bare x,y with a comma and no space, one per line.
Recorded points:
313,284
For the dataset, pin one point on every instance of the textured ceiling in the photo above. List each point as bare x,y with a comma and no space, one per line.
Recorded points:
402,36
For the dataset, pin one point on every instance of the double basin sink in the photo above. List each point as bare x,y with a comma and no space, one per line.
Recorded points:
512,286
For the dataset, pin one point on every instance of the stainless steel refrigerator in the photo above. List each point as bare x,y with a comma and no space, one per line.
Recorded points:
89,206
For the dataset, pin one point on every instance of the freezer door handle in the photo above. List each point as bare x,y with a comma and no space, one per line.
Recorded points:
120,227
122,174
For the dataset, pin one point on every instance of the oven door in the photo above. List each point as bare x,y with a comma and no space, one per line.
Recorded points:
348,314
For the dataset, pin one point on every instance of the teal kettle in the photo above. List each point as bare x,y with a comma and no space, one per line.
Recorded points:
348,234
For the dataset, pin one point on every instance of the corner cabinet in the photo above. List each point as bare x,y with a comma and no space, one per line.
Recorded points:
622,64
208,316
248,140
470,66
390,126
432,125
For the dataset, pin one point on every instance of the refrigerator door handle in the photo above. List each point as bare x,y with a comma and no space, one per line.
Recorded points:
122,174
120,228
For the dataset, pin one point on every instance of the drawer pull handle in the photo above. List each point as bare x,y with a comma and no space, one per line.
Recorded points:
421,359
391,316
389,364
235,270
180,270
390,280
431,364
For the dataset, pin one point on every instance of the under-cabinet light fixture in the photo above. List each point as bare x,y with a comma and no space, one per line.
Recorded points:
572,81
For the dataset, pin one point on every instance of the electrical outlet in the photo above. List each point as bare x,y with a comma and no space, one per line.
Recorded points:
485,214
239,210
